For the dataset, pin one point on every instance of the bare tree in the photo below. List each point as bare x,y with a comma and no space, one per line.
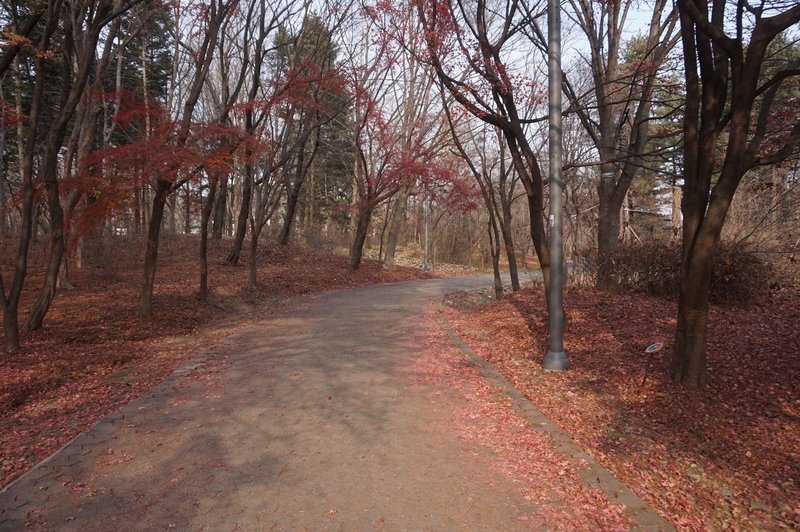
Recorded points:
471,48
732,124
617,117
82,25
217,15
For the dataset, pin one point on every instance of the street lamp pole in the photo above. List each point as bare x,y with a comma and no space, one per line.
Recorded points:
555,359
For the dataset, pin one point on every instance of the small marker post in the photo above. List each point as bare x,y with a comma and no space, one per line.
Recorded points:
651,350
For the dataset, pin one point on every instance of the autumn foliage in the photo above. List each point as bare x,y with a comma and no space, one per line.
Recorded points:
724,456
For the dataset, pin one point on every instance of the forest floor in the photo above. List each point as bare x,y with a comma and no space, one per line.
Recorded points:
95,353
723,457
352,411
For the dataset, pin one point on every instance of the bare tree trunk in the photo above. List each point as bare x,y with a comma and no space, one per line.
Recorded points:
625,220
607,228
309,209
11,301
244,215
530,174
540,242
4,225
288,219
137,211
494,243
145,203
49,167
11,327
151,251
395,226
202,294
187,212
220,209
63,282
384,225
252,261
362,227
54,258
675,218
689,354
511,254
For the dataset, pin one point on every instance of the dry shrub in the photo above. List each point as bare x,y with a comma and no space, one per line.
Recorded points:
740,275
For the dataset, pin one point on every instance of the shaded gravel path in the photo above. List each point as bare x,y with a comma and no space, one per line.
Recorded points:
308,424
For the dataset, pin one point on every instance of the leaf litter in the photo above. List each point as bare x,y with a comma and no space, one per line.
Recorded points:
527,457
726,457
95,353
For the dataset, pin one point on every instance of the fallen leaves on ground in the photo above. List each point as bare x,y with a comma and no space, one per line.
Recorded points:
723,457
526,457
95,353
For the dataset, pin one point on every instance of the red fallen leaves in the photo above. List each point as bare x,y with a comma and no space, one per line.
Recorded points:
96,353
521,454
725,456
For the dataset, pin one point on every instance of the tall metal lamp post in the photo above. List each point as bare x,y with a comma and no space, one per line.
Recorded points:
555,359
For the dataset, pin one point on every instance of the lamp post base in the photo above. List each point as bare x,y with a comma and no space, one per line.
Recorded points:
555,361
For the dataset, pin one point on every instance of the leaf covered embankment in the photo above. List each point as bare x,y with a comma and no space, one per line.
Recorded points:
483,416
726,455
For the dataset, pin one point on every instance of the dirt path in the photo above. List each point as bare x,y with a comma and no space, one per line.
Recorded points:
309,423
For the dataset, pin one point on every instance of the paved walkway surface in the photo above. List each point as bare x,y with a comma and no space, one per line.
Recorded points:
309,425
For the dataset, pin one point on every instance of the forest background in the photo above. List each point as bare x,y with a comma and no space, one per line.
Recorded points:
409,133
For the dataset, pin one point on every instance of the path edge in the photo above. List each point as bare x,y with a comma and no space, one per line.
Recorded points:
196,362
591,472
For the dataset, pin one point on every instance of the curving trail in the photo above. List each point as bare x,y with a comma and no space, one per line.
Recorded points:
309,423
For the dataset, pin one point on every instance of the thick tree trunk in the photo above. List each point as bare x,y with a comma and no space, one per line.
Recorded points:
689,355
151,251
291,208
241,223
220,209
540,242
357,249
55,274
530,174
252,261
11,328
55,256
607,230
11,301
63,282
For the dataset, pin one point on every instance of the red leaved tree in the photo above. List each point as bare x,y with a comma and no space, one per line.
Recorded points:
471,49
79,26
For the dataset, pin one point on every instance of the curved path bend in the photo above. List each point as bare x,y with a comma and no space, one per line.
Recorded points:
310,424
